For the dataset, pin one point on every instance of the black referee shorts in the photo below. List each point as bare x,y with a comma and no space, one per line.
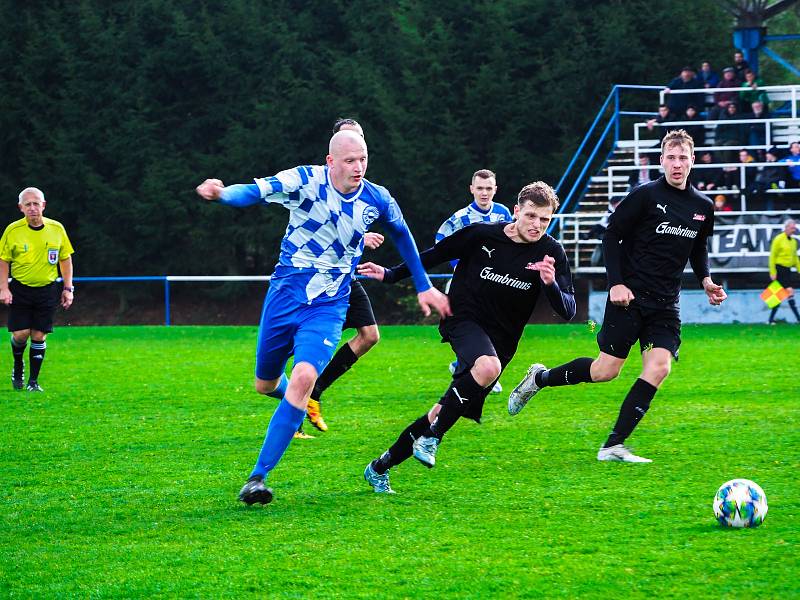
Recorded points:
359,313
787,277
32,307
654,327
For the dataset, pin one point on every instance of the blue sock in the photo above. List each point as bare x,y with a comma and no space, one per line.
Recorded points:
284,422
280,391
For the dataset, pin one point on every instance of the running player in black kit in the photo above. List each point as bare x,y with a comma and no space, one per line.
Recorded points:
502,269
651,235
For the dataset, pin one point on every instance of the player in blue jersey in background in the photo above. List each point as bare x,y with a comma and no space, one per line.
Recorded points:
331,207
482,209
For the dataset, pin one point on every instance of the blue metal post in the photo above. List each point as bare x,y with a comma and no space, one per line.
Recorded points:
166,302
616,115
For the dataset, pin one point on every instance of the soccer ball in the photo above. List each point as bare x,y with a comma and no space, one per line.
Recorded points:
740,503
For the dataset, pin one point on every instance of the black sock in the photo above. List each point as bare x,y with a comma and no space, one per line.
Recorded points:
773,313
35,357
339,365
631,412
18,350
454,404
793,306
576,371
402,448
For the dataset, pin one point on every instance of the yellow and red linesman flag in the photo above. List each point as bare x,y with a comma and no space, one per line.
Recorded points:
774,294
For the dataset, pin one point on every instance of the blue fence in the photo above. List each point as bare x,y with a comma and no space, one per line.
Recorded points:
168,279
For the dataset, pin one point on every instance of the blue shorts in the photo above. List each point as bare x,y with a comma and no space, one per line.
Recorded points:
309,332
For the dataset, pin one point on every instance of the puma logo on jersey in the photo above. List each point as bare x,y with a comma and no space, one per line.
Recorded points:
489,252
460,399
663,207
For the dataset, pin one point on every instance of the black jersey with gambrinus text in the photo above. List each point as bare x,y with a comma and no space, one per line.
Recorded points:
651,235
495,283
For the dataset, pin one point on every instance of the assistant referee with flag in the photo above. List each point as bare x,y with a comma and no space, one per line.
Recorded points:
782,259
33,249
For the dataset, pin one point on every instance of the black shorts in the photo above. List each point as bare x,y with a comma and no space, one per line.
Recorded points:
654,327
359,313
787,277
32,307
470,341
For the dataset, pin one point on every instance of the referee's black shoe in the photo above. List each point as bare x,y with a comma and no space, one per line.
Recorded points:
33,386
255,492
18,383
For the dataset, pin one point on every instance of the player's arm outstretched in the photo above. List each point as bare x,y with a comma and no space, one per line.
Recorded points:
698,259
447,249
427,295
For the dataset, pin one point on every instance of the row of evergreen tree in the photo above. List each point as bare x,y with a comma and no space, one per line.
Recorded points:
117,109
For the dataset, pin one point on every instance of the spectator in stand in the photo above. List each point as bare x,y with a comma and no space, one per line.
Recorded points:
644,174
730,134
771,177
721,204
740,65
665,115
752,94
706,179
723,99
733,175
698,131
793,181
707,76
757,132
685,81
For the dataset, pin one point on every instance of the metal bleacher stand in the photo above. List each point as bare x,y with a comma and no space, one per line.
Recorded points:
601,166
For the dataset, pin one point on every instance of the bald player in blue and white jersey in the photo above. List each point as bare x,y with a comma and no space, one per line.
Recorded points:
331,208
482,209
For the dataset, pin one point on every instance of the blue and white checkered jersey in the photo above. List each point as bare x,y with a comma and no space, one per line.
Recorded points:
473,214
325,236
470,214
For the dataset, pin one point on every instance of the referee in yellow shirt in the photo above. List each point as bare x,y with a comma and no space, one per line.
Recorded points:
33,249
782,259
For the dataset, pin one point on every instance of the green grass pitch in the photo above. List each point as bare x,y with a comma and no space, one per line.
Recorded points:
121,479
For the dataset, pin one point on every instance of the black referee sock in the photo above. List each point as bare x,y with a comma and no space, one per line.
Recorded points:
18,350
402,448
631,412
454,404
339,365
773,313
576,371
36,357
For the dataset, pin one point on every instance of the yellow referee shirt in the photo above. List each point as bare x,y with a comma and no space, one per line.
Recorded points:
34,253
783,252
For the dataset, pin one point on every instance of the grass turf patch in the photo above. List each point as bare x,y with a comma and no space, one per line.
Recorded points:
121,479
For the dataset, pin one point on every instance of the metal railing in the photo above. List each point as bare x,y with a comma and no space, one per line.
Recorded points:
167,280
741,184
606,126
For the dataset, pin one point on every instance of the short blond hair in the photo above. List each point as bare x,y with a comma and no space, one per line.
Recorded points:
31,190
539,194
677,137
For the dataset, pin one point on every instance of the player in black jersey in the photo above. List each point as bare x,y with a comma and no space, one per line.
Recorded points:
502,269
654,231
